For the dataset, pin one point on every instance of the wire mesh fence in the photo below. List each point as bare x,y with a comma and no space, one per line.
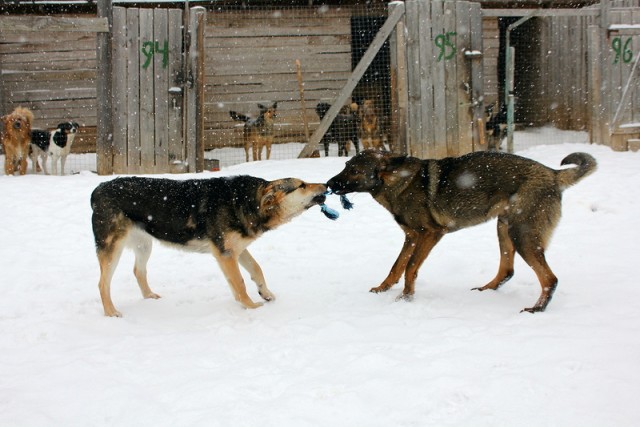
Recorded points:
273,72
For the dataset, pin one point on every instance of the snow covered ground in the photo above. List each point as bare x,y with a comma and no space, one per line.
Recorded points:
326,352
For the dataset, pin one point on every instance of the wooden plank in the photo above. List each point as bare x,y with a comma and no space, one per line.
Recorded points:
104,154
22,24
464,79
161,89
260,30
518,12
304,40
478,142
39,67
451,81
175,122
53,77
427,137
147,93
357,74
52,56
120,91
414,140
20,42
195,93
397,142
595,83
133,85
438,73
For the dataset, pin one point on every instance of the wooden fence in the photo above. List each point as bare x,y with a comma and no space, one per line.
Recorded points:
49,65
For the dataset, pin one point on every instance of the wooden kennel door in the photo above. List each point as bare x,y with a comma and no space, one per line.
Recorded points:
156,98
443,51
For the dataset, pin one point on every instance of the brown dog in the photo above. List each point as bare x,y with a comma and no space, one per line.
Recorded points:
430,198
16,140
370,126
259,132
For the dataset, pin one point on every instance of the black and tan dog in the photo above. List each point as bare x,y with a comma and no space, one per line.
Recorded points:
430,198
258,132
221,216
343,129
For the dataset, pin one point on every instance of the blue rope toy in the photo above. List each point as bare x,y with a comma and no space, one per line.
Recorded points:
331,213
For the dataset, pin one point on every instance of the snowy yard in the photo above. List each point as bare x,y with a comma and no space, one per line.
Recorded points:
326,352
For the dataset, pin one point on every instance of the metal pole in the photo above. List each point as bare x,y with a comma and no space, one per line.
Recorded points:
509,84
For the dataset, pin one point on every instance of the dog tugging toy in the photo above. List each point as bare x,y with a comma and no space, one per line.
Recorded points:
332,214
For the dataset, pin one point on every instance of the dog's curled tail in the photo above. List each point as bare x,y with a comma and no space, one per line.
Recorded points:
238,117
586,165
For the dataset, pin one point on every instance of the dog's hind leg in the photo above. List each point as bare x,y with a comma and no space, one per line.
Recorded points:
108,259
54,165
530,240
34,161
507,256
250,264
534,256
141,244
44,163
231,269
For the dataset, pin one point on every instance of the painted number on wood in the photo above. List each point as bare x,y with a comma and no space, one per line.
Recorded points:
149,49
622,50
444,42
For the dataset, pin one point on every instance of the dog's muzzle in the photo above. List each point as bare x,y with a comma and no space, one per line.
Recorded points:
336,187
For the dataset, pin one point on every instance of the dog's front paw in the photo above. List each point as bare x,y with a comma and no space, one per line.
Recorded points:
112,313
267,295
378,289
251,305
404,297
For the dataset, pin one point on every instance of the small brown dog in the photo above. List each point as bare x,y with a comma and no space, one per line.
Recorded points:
258,132
16,140
370,126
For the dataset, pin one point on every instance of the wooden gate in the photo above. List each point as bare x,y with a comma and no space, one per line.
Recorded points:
444,78
436,75
615,77
156,91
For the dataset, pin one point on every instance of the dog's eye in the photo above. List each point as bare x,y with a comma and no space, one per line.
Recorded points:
303,186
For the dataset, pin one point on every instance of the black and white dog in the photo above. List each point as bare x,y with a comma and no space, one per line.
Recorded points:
56,143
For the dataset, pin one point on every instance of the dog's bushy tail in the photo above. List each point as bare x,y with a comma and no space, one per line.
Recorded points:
586,165
238,117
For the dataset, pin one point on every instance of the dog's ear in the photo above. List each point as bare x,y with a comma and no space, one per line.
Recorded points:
275,105
262,107
270,198
391,168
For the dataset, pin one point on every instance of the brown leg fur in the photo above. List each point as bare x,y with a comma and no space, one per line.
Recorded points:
250,264
401,263
231,270
108,260
507,257
423,245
